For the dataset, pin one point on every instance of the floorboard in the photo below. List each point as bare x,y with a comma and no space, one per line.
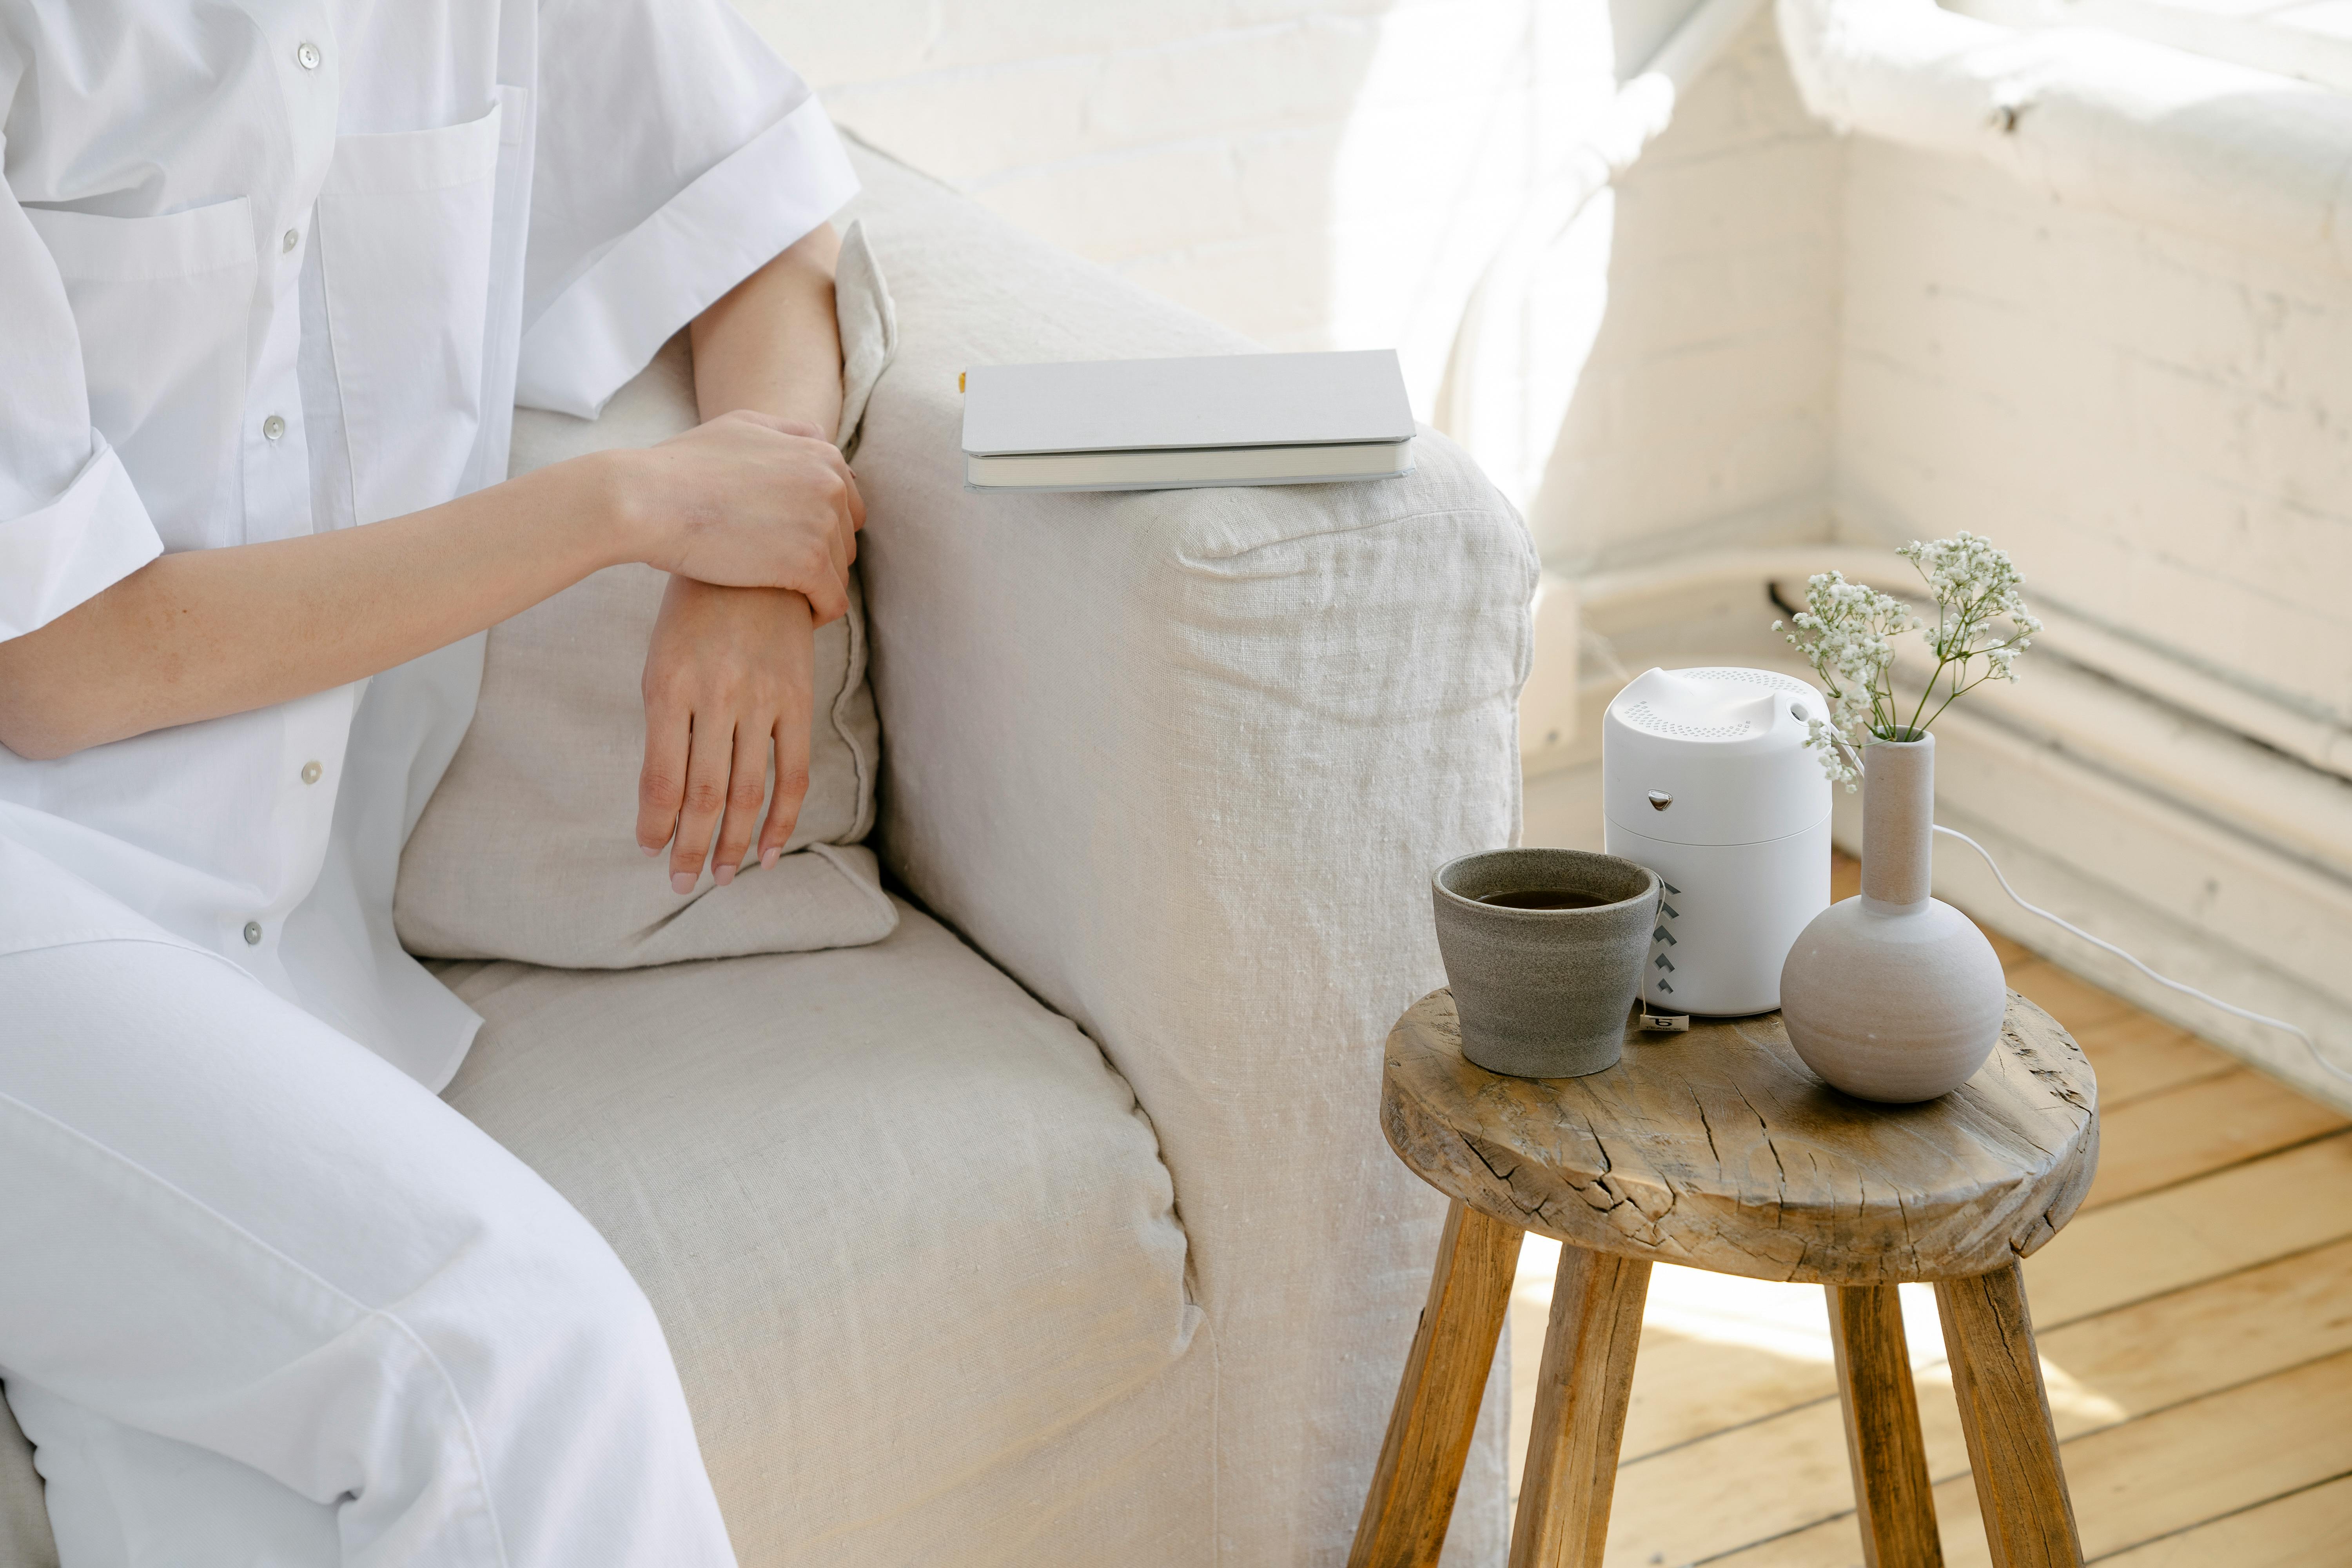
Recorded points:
2301,1529
2185,1132
2230,1220
2134,1060
2141,1481
2175,1468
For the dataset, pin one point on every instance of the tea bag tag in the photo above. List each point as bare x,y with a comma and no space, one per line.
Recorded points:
1664,1023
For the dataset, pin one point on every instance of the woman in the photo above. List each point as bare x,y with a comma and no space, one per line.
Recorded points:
271,277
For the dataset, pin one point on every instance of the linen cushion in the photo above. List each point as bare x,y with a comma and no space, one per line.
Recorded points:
905,1229
527,849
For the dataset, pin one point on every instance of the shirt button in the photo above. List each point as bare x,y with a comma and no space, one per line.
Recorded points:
273,427
253,933
311,771
293,237
308,57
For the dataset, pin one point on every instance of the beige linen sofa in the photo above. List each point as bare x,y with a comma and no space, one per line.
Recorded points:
1056,1227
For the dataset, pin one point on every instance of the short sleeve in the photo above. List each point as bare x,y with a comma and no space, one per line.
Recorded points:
674,155
71,522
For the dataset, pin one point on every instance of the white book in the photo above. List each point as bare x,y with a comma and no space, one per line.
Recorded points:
1171,424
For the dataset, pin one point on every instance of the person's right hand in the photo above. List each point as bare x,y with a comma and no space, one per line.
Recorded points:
748,502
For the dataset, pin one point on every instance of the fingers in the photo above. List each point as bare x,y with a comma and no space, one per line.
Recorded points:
709,762
840,543
747,786
832,488
661,782
792,740
849,502
856,501
727,678
841,540
857,512
828,586
824,573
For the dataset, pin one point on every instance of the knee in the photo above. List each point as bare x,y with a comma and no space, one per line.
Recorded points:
574,1295
549,1300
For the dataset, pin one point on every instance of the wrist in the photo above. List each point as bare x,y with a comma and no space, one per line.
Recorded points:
608,504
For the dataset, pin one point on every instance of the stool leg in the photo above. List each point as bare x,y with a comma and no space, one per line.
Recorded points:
1882,1429
1580,1397
1412,1499
1997,1375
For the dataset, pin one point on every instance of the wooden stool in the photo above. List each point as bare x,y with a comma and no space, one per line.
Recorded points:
1718,1151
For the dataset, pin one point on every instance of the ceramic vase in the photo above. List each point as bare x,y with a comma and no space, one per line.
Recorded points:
1894,995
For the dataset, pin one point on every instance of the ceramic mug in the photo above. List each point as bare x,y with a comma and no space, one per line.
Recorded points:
1544,992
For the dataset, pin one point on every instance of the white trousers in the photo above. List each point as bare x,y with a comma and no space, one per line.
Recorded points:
266,1300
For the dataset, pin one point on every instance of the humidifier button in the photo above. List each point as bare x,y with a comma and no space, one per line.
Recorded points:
1660,799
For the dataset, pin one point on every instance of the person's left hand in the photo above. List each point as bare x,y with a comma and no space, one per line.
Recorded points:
726,684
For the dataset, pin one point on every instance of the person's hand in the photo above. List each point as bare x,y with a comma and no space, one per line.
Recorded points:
726,684
749,501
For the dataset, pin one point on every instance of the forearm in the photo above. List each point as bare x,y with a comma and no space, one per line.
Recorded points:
728,671
772,345
204,632
744,500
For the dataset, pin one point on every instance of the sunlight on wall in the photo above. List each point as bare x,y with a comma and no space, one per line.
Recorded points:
1316,176
1325,174
1463,112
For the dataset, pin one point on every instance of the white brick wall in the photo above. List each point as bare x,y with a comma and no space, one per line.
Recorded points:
1335,174
1766,325
2157,424
1314,173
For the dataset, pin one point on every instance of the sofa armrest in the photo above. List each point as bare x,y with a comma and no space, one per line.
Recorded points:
1182,764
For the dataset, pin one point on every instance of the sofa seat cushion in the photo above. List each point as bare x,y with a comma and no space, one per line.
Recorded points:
898,1220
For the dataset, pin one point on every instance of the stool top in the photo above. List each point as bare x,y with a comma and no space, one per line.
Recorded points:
1719,1150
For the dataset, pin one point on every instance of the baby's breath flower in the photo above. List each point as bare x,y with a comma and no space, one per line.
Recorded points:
1846,629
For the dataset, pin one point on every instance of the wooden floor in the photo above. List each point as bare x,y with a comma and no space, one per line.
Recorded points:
2195,1322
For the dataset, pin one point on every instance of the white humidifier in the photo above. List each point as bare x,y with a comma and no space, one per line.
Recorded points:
1706,779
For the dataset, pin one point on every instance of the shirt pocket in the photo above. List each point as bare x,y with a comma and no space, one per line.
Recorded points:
161,306
404,229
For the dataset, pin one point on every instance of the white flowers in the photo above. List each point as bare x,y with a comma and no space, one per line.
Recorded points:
1846,630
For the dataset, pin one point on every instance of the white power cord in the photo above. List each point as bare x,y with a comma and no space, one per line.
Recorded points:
2308,1043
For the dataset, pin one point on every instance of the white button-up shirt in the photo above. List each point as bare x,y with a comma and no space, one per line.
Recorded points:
271,269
